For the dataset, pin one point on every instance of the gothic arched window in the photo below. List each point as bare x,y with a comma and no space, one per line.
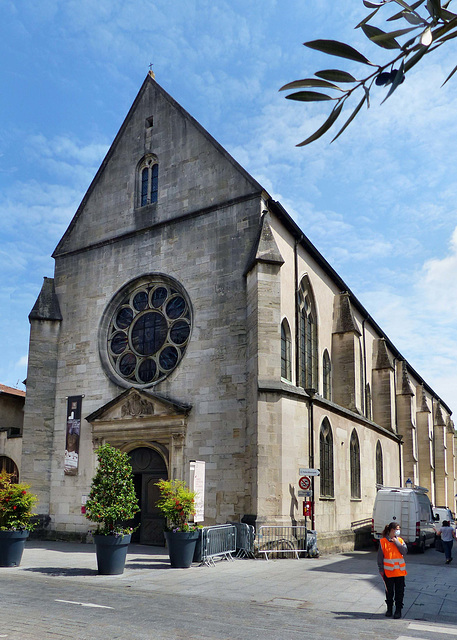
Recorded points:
286,363
307,336
327,376
326,460
148,181
379,465
355,465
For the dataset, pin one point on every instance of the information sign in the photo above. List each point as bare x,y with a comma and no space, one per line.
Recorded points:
309,472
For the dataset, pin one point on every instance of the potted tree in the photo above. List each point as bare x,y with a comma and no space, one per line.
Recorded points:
177,504
111,503
16,504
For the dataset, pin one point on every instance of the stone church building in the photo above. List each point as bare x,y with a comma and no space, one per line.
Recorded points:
190,318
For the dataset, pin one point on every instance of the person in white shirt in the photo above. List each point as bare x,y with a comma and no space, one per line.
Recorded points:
447,534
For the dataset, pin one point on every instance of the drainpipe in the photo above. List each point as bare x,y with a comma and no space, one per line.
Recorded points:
311,393
297,319
364,347
396,425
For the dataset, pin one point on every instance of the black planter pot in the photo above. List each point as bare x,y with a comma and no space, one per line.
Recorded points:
111,554
181,547
11,547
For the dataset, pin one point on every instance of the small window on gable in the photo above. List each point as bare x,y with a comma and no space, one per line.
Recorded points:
286,362
147,181
149,122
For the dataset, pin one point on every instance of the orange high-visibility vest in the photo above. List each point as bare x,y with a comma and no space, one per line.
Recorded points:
394,562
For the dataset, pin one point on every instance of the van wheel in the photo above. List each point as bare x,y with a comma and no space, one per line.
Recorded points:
422,546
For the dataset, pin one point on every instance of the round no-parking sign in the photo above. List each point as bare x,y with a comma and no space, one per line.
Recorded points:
304,483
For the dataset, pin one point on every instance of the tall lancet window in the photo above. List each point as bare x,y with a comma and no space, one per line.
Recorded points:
307,355
286,368
355,465
148,181
327,376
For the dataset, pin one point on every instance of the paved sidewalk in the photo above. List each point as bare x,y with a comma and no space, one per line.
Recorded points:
345,584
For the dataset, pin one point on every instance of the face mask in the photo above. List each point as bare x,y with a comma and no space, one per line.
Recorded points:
397,533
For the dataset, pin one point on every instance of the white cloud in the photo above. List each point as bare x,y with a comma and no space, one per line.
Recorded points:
439,284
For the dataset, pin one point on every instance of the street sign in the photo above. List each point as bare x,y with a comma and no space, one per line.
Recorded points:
304,483
305,494
309,472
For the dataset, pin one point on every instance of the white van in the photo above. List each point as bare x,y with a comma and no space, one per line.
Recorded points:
442,513
412,510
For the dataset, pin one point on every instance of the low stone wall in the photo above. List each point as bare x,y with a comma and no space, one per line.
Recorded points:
347,540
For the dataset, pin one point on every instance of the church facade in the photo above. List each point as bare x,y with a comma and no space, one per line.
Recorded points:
190,318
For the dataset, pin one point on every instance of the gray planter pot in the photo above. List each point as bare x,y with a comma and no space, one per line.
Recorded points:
181,547
111,553
11,547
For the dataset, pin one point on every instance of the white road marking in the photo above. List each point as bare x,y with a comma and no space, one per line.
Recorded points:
85,604
407,638
435,629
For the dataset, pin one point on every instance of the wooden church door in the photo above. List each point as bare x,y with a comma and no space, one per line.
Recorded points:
148,467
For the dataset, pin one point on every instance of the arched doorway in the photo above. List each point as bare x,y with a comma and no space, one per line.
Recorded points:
8,465
148,467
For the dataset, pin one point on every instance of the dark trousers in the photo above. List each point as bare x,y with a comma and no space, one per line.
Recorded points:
395,589
447,546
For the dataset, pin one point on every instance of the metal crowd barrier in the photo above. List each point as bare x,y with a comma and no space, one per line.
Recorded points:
278,539
245,536
218,542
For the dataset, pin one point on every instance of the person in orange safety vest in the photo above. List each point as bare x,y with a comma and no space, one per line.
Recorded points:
392,567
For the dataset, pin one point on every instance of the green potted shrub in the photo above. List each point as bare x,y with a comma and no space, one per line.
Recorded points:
177,504
111,503
16,504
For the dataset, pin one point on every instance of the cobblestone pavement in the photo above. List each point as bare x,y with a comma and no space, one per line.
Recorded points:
339,595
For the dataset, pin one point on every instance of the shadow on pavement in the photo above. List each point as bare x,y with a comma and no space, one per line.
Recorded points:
63,571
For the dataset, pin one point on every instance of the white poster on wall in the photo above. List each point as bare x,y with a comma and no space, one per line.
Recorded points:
197,484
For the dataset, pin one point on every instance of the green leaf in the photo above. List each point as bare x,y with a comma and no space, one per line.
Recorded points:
308,96
379,37
409,64
335,48
367,18
405,5
447,15
449,76
399,15
450,36
335,75
309,82
412,18
434,8
394,34
325,127
351,118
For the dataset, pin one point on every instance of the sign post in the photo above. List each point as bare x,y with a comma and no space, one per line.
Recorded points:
306,484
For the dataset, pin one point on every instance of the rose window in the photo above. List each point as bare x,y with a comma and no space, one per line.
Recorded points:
148,331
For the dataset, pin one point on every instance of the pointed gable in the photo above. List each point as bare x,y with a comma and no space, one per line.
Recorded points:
193,173
138,416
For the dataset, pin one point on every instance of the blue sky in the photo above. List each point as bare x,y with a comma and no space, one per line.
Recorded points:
378,203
